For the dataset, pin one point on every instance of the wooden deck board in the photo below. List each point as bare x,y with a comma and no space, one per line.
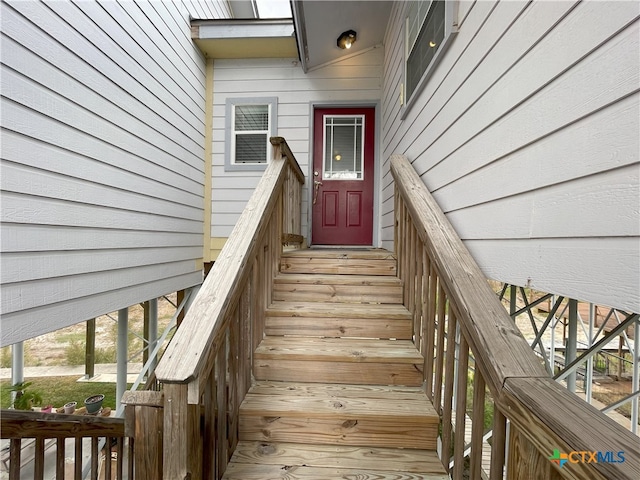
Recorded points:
339,350
340,456
294,472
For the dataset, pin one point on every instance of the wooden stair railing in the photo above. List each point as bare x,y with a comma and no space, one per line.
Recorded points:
18,425
205,371
466,335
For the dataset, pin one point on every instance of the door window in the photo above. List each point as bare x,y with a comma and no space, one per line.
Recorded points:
343,152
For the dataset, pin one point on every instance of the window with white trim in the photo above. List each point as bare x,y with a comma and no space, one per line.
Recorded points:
250,124
429,29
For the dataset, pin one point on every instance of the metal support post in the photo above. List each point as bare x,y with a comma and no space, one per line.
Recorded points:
588,378
570,351
17,366
122,354
636,377
152,338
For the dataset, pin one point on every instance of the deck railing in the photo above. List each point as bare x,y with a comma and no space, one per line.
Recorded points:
45,428
205,371
478,363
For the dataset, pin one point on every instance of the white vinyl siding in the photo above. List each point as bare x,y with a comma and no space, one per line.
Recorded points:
102,158
355,80
527,136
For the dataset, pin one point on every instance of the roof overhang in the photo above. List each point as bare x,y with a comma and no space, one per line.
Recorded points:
319,23
252,38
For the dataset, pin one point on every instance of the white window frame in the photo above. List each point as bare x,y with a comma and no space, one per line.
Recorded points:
230,158
451,28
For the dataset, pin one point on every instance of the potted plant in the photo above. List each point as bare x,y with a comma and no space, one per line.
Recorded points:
25,398
94,403
70,407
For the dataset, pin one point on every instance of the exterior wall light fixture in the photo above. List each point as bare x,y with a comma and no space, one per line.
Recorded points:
346,39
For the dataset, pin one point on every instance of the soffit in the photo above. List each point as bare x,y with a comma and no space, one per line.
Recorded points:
319,23
229,38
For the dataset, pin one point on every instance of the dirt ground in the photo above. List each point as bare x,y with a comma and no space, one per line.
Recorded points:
56,348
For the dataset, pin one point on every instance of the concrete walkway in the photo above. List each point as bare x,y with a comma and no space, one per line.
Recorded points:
105,372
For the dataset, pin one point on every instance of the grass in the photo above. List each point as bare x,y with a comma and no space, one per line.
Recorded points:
57,391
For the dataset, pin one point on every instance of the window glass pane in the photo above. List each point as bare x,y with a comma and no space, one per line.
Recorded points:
343,157
252,117
251,148
427,44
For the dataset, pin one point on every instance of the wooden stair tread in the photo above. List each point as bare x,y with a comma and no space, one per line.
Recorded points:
347,402
262,460
339,261
339,350
294,472
341,253
330,309
334,279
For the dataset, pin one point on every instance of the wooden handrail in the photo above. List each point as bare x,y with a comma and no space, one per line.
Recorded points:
201,330
446,290
206,369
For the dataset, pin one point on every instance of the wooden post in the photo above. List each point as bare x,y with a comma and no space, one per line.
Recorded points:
182,447
90,350
144,423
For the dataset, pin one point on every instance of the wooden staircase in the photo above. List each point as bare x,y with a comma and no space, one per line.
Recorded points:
337,391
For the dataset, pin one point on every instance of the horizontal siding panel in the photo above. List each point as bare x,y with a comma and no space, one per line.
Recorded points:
19,179
29,94
103,158
42,74
18,326
526,133
40,128
598,270
27,266
32,294
125,71
20,237
67,163
18,208
131,96
131,58
584,207
581,90
597,143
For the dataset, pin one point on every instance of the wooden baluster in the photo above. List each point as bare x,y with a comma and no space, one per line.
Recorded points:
442,312
15,448
77,467
94,459
131,457
209,440
60,455
107,458
498,443
447,404
234,379
221,391
430,328
477,425
461,404
245,336
38,469
120,458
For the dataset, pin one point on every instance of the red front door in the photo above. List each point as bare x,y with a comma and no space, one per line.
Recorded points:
343,166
